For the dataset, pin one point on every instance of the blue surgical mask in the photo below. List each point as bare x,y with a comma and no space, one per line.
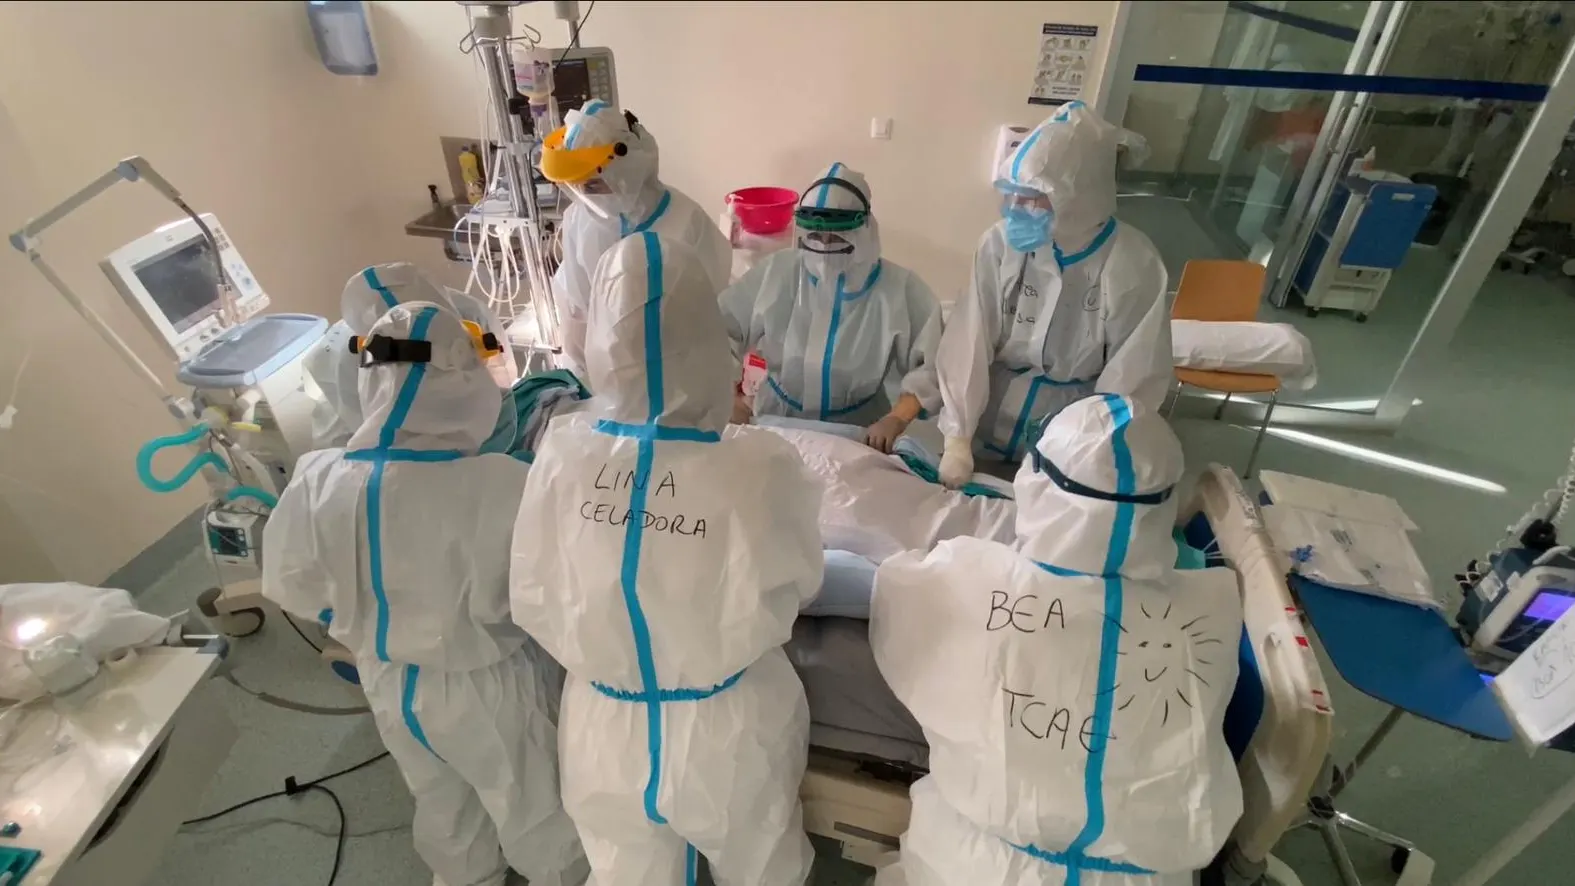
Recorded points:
1027,229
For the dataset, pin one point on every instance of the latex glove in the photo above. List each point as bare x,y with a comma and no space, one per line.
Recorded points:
883,434
957,462
742,412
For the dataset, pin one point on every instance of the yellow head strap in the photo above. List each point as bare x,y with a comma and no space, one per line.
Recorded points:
486,343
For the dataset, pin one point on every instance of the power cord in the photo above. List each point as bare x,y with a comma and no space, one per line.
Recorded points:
576,41
293,788
302,634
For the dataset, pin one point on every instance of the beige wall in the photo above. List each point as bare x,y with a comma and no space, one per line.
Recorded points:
229,101
741,93
315,175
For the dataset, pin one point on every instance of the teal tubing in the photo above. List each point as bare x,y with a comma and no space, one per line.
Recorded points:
198,462
155,446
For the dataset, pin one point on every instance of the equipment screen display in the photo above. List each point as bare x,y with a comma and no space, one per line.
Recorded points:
571,84
182,284
1548,605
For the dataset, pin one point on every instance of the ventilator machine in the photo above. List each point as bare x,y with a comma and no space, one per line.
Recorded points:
248,416
1514,594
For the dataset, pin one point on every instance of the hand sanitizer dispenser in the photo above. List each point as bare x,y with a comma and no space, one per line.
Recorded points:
342,30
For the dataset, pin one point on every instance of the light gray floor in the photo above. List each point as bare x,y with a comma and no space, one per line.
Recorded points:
1500,408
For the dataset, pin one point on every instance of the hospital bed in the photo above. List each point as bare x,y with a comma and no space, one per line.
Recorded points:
866,749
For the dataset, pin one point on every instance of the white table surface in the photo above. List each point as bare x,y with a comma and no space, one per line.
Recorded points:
63,768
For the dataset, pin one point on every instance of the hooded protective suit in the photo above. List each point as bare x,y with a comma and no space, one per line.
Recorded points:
368,294
405,536
1072,690
608,161
662,555
1063,302
844,333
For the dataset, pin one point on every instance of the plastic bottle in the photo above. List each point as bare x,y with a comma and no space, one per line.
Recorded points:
470,172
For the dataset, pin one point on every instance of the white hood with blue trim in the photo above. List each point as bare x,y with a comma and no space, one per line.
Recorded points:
452,403
1072,158
1057,527
687,346
1074,709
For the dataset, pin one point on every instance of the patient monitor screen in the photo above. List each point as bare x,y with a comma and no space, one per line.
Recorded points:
182,283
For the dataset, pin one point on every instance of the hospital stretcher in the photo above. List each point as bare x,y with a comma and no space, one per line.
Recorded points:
866,749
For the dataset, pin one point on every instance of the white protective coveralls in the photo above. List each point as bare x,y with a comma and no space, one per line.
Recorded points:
405,536
368,294
844,334
1072,690
662,555
1038,330
631,199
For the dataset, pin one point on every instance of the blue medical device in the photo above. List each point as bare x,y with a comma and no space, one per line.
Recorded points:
1518,599
1363,236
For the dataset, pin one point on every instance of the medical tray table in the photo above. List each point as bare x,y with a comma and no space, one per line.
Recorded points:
121,770
1428,675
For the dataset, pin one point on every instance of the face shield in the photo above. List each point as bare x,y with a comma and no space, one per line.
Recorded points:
600,159
827,235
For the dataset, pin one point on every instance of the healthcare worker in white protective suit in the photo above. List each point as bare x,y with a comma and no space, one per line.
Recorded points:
608,162
847,336
662,555
1064,301
368,294
404,535
1073,689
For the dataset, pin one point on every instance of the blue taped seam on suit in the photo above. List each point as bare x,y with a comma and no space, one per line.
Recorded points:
777,388
374,488
1077,862
407,706
589,110
825,190
661,209
1109,644
1066,261
691,865
370,276
404,455
667,695
651,695
831,346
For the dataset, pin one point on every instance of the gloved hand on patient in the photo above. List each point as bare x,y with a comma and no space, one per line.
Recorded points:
882,435
956,462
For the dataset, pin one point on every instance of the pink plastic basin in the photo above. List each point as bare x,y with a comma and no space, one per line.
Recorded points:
763,211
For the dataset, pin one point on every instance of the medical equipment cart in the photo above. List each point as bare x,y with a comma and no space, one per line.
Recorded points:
1363,236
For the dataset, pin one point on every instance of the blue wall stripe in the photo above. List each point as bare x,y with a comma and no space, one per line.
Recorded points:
1342,33
1382,84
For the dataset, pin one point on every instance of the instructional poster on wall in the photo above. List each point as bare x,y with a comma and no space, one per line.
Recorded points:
1065,54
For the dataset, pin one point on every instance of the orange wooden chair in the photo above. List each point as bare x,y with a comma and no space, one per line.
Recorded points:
1224,291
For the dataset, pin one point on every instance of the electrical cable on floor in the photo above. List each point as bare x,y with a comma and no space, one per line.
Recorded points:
302,634
299,707
293,788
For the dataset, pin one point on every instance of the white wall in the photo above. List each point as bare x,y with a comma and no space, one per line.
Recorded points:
315,175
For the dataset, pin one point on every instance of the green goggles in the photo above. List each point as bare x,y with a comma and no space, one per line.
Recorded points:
833,221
